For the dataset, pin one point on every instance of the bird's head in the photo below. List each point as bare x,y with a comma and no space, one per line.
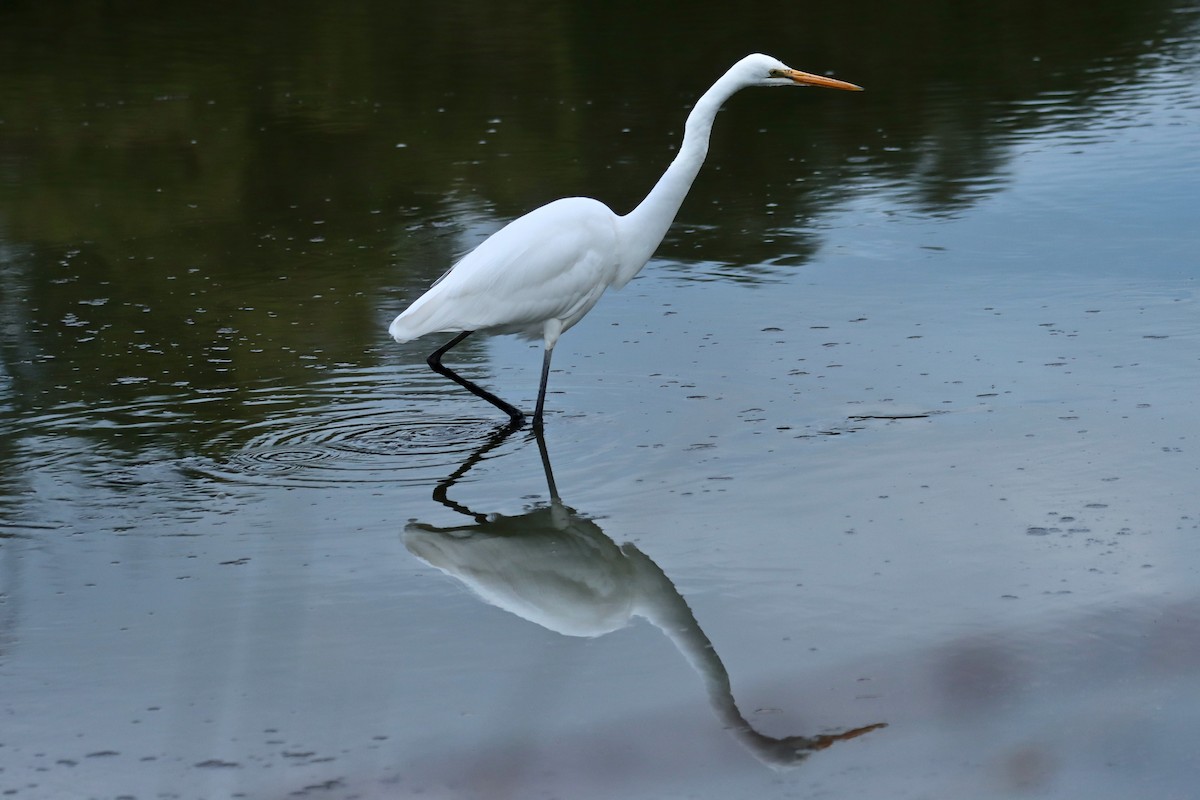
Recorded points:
761,70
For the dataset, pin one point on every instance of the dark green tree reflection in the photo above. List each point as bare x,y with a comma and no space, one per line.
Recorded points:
196,207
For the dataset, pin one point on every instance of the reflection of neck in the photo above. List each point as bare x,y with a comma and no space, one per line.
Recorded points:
667,610
660,602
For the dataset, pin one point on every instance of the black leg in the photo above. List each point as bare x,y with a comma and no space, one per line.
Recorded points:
541,401
435,363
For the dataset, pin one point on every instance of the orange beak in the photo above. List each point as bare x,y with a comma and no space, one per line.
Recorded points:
808,79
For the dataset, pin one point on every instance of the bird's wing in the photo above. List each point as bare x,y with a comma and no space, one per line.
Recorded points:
552,263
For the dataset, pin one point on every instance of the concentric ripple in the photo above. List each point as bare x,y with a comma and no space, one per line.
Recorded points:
336,445
372,425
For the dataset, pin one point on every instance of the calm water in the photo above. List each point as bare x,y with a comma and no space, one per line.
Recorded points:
895,438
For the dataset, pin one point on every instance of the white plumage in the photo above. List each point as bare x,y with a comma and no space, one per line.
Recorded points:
551,264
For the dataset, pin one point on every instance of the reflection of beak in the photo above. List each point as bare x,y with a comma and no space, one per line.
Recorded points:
808,79
824,741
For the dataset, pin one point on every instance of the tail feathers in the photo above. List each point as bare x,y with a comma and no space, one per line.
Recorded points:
423,317
403,329
399,331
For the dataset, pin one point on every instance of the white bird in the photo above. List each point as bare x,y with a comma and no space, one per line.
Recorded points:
542,272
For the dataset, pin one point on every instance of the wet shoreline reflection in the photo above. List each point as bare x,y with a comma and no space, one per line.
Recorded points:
557,568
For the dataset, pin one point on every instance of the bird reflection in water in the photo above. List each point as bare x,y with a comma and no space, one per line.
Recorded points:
558,569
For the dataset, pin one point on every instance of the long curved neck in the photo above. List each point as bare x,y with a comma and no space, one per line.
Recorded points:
643,228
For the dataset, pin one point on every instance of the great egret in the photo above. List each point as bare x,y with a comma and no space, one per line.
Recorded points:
542,272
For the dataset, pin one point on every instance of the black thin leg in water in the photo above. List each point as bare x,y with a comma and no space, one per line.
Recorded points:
515,414
541,401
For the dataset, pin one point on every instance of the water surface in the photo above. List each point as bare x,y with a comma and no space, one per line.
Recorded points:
897,428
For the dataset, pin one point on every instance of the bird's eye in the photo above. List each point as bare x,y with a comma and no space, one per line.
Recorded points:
775,73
